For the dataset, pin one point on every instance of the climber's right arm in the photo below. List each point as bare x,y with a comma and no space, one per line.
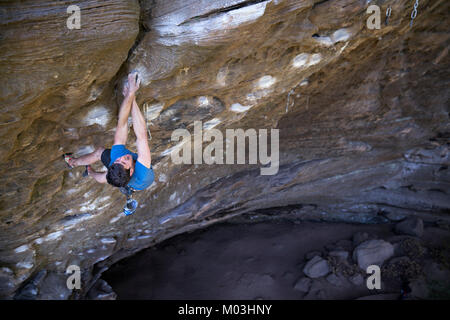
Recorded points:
140,129
121,134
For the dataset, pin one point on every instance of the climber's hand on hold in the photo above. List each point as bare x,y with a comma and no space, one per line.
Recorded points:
126,88
133,83
120,137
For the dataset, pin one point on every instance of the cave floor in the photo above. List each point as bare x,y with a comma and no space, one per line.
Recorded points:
264,260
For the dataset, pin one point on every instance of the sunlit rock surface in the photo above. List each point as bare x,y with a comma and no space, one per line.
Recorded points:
363,118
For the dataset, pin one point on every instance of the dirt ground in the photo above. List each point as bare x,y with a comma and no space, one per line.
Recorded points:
265,260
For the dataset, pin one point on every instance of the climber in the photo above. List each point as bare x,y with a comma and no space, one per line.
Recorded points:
125,168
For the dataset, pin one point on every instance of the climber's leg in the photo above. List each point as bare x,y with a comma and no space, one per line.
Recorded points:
87,159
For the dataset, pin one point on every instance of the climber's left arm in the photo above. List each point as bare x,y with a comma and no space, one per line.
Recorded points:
140,129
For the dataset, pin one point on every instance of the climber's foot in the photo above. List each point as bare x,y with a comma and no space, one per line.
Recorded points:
69,160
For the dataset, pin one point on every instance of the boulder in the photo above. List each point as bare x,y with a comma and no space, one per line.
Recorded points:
316,267
372,252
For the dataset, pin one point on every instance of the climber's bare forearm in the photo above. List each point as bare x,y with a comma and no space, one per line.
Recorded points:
121,134
125,109
139,125
98,176
140,129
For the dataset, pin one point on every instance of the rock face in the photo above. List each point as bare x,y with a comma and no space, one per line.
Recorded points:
102,291
362,116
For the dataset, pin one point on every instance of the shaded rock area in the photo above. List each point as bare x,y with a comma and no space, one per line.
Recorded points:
266,260
410,226
363,118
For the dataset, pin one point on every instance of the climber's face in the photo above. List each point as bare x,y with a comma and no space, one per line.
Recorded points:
127,162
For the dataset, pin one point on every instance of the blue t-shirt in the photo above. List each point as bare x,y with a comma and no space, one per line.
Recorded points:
142,176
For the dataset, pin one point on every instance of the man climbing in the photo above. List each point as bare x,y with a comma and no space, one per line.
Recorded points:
125,168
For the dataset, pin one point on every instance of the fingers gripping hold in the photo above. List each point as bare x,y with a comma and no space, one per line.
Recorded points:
134,80
131,84
126,88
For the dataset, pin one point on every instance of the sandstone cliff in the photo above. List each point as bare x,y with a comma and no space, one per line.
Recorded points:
363,118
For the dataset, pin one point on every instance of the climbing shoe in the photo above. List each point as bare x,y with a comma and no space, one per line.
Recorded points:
67,157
